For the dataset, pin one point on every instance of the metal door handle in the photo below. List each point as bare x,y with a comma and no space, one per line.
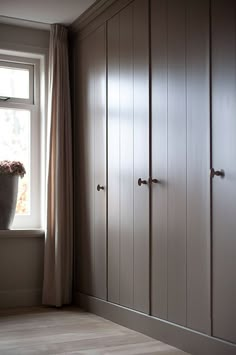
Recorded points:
142,182
99,187
154,181
214,172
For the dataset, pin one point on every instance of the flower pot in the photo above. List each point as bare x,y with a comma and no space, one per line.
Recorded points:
8,198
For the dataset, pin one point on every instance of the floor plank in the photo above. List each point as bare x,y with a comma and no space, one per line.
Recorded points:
44,330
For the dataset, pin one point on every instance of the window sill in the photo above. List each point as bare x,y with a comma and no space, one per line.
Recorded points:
19,233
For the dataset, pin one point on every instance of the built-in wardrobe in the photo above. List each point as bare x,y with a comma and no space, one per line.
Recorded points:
154,103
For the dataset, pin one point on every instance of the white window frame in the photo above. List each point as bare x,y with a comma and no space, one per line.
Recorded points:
34,220
30,68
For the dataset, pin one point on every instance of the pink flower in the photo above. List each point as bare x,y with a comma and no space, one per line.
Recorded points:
12,168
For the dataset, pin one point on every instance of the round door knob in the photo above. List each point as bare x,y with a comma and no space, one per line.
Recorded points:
142,182
214,172
99,187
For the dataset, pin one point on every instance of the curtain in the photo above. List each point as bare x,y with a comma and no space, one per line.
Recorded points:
57,285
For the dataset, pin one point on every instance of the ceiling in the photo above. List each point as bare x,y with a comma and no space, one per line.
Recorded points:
42,11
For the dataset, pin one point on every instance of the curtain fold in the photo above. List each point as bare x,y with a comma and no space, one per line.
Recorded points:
57,285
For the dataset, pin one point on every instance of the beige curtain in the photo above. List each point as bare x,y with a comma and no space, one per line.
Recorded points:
57,287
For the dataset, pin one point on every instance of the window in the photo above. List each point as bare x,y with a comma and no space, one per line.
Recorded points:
20,132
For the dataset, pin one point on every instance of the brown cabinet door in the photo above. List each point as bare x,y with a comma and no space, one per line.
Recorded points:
224,157
180,162
128,157
90,165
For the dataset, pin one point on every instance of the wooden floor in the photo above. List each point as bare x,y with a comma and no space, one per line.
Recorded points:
71,331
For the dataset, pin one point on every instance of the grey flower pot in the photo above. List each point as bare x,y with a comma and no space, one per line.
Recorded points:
8,197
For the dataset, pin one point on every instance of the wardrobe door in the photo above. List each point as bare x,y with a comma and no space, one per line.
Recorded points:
224,158
100,245
180,162
128,157
159,157
90,165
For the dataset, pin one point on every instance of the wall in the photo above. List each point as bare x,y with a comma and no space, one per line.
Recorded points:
21,252
18,38
21,268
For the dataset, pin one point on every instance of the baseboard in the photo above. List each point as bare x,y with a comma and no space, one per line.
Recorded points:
192,342
20,298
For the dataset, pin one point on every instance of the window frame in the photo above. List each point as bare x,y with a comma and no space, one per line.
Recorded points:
30,68
34,220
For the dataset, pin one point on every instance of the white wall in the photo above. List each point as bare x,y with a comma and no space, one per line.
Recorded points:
21,252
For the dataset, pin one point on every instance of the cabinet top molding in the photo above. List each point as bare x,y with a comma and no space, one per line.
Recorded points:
97,14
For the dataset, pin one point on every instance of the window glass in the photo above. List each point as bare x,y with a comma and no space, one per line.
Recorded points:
21,134
15,138
14,82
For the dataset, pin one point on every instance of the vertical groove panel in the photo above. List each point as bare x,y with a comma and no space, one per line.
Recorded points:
159,156
177,162
100,163
126,157
198,163
224,157
85,213
141,154
91,157
113,160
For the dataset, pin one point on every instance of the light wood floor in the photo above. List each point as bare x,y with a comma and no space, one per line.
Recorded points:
71,331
